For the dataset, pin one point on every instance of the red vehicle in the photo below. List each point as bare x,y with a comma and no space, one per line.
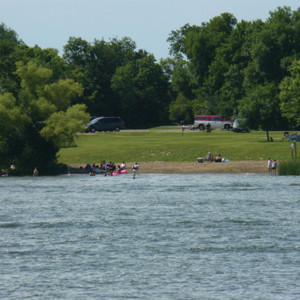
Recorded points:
214,122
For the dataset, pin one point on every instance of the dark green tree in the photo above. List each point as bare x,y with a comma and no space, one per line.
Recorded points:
260,107
94,65
290,95
9,55
142,89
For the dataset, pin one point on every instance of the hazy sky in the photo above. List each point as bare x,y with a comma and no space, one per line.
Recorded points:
50,23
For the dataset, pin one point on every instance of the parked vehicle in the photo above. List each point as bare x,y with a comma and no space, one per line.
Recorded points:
239,125
214,122
105,124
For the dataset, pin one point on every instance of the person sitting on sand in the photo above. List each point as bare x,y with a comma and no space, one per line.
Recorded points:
209,157
218,158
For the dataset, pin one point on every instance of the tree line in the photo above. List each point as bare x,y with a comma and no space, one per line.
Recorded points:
237,69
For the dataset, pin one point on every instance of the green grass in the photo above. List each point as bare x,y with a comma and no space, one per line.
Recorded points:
155,145
289,167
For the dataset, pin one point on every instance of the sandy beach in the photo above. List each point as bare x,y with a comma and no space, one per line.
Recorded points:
162,167
195,167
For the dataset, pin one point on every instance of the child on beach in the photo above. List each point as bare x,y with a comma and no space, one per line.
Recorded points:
274,166
270,165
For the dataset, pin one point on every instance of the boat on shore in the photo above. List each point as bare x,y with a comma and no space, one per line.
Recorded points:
114,173
81,170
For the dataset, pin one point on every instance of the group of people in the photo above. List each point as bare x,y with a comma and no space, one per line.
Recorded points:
4,172
272,166
209,158
109,168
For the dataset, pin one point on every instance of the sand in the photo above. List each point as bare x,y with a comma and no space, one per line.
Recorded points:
161,167
195,167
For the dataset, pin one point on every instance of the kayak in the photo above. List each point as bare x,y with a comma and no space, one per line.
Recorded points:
119,173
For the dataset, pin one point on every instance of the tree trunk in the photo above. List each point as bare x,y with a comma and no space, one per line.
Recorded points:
268,139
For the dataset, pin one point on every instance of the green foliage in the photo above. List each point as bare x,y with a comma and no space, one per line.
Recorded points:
27,113
9,45
12,118
181,110
60,127
118,80
142,90
289,167
26,149
290,95
261,107
61,93
33,78
229,61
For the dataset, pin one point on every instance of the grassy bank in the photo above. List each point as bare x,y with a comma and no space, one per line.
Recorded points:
170,145
289,167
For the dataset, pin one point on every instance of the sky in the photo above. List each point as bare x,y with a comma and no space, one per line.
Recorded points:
50,23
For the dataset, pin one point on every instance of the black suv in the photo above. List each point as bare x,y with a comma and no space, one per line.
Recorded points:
105,124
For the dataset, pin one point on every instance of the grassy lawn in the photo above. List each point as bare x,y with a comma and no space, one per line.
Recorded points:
156,145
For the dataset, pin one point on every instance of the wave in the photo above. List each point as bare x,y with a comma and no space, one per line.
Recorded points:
10,225
245,248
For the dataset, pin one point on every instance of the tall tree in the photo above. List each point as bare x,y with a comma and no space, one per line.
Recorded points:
9,45
94,64
290,95
143,91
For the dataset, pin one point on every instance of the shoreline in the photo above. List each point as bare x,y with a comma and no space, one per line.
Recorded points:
163,167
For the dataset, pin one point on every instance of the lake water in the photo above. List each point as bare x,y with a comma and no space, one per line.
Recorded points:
153,237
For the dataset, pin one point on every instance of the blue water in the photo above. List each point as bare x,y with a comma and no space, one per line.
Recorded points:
154,237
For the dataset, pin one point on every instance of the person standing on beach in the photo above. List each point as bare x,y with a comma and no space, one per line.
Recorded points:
274,166
270,165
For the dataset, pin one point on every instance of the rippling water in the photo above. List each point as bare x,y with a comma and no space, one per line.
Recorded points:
158,236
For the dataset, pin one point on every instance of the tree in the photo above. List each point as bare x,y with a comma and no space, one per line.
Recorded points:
290,95
123,85
260,108
12,117
94,65
144,88
9,45
201,46
39,119
181,110
61,126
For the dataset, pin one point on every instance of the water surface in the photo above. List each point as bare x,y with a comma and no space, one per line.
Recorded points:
158,236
